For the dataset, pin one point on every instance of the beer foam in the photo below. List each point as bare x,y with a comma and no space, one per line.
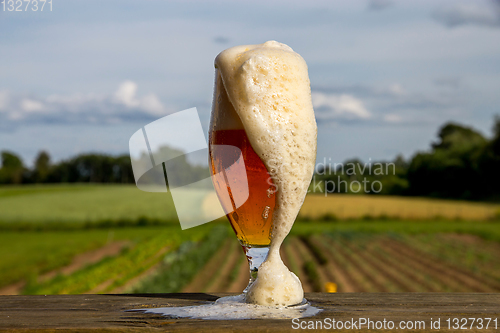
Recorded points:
268,86
234,307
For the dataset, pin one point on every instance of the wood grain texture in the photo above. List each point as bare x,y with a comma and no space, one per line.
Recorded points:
107,313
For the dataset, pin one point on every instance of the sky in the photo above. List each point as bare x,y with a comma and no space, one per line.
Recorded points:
385,74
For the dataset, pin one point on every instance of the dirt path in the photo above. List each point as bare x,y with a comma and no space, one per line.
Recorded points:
84,259
336,273
222,281
130,284
460,240
318,282
354,277
461,281
242,278
297,258
13,289
386,275
207,272
445,282
78,262
485,256
400,273
373,282
152,261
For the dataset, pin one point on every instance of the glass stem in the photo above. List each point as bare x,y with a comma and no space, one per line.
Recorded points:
255,257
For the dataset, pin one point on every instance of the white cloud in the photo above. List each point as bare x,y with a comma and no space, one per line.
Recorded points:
126,94
29,106
389,104
461,13
341,107
152,104
121,106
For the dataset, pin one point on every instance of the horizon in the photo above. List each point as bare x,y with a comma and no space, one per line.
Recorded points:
319,161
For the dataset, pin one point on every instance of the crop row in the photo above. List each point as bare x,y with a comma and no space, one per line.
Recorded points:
114,272
385,264
356,262
201,261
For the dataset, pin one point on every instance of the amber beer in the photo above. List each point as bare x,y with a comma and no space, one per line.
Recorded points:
253,220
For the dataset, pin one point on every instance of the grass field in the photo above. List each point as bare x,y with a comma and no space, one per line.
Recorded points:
26,255
114,272
84,203
383,244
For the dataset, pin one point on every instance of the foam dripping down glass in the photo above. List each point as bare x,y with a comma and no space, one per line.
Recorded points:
262,105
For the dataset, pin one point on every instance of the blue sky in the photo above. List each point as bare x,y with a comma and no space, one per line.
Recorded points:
385,75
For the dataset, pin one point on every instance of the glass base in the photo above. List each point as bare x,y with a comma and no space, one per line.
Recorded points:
301,305
255,257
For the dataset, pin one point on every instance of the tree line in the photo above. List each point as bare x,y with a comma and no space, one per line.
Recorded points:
85,168
91,168
461,164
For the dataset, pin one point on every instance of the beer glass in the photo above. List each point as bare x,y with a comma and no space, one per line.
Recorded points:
252,221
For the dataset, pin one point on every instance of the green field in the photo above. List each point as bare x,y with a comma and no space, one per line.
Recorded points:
28,254
90,203
82,203
367,253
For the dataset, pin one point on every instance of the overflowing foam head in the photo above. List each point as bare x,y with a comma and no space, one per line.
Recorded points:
268,87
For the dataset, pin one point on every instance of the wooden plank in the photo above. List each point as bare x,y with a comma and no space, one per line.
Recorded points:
106,313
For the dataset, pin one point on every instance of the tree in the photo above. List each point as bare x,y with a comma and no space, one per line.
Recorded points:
455,136
452,169
42,167
495,144
12,168
489,163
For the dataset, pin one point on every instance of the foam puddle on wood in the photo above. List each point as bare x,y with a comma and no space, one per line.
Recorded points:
234,307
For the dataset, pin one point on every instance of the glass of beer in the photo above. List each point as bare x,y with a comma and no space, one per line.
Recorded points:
251,221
